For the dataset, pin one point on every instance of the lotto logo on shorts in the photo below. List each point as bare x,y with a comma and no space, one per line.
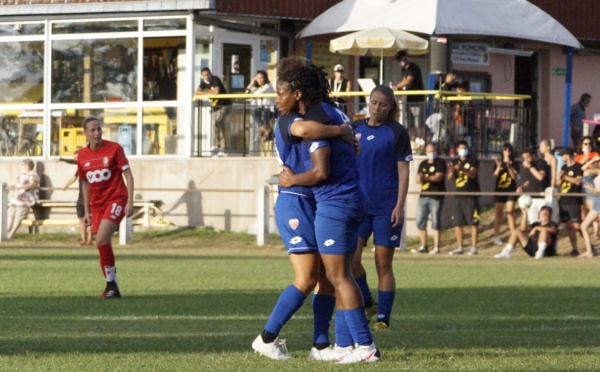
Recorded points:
394,237
98,175
294,223
295,240
329,242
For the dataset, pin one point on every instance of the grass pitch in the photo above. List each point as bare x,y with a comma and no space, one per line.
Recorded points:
195,299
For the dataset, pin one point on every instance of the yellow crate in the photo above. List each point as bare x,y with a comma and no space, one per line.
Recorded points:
71,140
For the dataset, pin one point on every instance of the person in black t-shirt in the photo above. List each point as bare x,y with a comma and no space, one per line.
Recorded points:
211,84
431,176
570,177
85,232
464,171
539,242
505,173
535,174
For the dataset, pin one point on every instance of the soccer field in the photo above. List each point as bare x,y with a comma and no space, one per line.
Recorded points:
194,300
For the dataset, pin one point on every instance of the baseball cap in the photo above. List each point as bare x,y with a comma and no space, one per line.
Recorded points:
338,67
567,151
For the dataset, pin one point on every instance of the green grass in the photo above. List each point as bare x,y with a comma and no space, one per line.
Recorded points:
195,299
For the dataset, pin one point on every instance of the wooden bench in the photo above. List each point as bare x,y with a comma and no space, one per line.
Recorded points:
147,213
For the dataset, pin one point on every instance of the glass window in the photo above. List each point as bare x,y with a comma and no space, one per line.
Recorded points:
21,132
20,29
160,135
22,72
164,24
162,56
94,27
97,70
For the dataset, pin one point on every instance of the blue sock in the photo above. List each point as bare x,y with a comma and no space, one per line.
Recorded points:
359,326
343,337
386,300
323,307
290,300
364,288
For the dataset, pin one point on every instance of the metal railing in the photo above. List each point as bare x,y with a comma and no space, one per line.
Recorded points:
442,117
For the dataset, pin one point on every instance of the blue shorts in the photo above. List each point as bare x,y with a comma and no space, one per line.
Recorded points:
295,219
336,225
383,233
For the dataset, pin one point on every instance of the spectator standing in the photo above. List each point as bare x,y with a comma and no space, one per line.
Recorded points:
25,197
570,177
383,165
107,198
85,232
411,80
539,242
535,174
577,117
591,217
340,84
465,172
547,154
431,175
221,109
263,109
505,173
588,158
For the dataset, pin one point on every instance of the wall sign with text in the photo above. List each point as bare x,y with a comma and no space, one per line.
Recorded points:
470,54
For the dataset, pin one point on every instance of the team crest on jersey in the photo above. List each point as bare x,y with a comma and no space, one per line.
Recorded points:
105,162
358,135
370,137
294,223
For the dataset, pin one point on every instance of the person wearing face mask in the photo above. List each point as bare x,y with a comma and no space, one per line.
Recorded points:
26,195
211,84
383,165
464,171
431,175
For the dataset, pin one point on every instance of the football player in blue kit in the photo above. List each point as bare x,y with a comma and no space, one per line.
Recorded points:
295,214
384,172
341,206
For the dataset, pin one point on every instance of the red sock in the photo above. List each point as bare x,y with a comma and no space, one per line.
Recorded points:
107,257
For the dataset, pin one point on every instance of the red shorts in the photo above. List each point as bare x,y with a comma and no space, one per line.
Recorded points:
114,211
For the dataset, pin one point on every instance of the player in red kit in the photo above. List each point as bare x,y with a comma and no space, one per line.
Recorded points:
107,198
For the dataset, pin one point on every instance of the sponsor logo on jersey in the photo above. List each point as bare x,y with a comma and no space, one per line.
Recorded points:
329,242
98,175
295,240
394,238
370,137
105,162
113,217
294,223
87,164
408,158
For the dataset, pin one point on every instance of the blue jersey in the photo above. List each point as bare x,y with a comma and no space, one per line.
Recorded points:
382,147
292,152
342,183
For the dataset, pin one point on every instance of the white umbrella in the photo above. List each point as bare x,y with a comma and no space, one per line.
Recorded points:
381,41
508,18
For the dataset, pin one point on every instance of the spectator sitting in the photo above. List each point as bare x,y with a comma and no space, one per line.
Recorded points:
25,196
539,242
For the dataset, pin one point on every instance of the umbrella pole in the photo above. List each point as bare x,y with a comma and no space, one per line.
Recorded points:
381,68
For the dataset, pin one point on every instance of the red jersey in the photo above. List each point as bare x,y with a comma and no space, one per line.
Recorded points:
103,170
